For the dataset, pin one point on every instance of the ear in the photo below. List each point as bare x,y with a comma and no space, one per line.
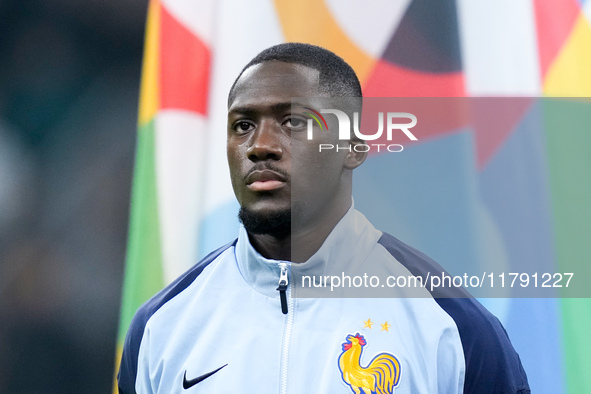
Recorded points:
357,155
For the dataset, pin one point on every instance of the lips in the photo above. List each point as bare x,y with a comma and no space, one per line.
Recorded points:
265,180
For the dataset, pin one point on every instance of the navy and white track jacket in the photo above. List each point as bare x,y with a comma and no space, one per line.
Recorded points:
219,328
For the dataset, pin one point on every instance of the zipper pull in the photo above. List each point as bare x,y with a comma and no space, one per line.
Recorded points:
283,282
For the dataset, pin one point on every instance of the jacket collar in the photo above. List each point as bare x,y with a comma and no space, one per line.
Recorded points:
348,244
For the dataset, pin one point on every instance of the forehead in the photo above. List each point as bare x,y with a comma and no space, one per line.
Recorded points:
273,82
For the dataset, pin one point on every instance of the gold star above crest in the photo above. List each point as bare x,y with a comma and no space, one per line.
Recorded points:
385,326
368,324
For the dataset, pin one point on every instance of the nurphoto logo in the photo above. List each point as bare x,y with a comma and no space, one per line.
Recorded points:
395,122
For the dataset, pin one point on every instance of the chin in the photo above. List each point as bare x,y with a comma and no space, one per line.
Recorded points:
276,223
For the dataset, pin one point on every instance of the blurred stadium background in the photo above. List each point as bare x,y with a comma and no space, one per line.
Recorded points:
69,80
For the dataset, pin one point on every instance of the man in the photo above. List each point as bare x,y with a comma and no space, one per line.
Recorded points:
229,324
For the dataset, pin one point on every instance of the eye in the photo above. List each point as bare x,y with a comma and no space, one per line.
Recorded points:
243,126
295,123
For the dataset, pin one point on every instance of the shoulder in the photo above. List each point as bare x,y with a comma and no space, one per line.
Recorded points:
129,360
492,364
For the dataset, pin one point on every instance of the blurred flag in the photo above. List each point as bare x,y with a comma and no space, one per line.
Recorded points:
513,196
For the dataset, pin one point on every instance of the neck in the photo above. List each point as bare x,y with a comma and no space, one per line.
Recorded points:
304,241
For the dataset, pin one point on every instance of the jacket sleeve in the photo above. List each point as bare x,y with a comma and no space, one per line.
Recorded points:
128,369
492,364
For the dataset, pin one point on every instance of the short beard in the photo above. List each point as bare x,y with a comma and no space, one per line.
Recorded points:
277,225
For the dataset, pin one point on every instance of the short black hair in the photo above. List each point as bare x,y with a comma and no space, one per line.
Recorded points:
337,78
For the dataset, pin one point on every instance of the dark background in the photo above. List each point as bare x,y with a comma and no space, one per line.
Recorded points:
69,85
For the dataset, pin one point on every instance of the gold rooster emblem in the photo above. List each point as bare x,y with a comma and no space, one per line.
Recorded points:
381,376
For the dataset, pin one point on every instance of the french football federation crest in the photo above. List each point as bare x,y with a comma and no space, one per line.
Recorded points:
381,376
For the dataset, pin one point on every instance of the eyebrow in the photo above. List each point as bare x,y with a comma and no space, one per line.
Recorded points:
250,110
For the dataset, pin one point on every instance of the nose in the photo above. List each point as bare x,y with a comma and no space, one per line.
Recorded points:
266,143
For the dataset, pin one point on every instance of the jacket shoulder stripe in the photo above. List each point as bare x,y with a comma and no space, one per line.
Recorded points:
492,365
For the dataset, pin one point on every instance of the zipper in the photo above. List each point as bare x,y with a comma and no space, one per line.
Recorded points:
283,290
283,282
